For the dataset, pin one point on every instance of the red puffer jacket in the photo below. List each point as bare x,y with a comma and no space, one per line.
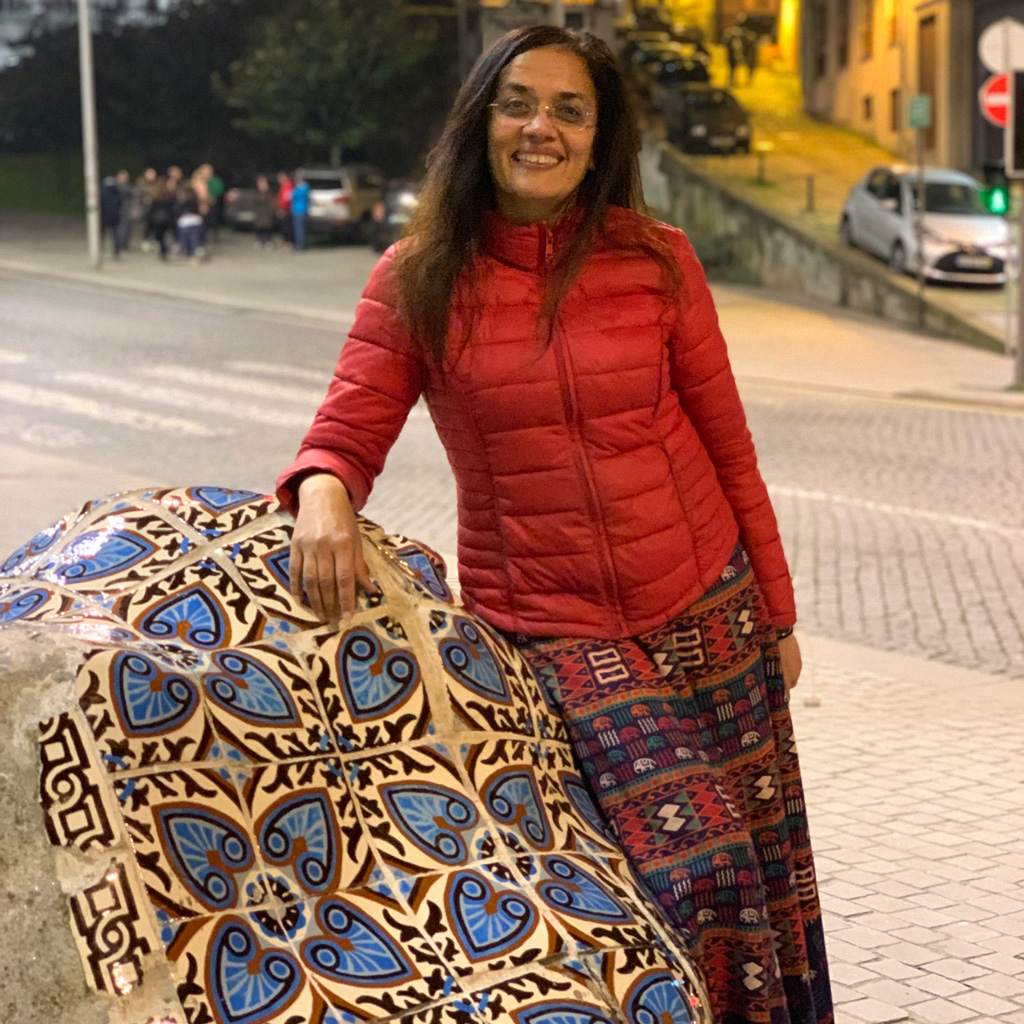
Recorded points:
603,479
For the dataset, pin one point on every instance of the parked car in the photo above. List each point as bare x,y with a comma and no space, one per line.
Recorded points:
706,119
665,62
676,74
636,40
341,199
240,204
392,213
961,242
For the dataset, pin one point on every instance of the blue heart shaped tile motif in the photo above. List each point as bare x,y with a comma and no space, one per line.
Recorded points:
583,803
424,572
247,984
206,850
279,565
22,603
512,798
433,817
221,499
250,691
560,1012
192,615
470,660
573,891
300,831
101,553
487,922
658,999
374,681
148,699
354,950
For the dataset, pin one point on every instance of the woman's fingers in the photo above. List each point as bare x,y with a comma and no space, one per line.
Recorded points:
792,662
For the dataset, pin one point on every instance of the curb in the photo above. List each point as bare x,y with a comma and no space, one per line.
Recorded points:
229,303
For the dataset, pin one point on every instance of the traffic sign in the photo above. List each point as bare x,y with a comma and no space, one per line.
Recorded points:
1001,46
919,111
994,100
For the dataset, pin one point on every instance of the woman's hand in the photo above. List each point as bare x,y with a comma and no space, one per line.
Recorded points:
792,663
327,550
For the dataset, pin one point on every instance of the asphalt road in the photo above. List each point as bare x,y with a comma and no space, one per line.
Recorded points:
902,519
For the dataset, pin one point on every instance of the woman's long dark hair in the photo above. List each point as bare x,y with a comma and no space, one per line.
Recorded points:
444,233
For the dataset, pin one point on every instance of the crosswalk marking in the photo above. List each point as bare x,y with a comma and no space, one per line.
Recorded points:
106,412
182,398
272,390
275,370
894,510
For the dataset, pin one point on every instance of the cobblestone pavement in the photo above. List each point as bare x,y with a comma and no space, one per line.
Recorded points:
922,880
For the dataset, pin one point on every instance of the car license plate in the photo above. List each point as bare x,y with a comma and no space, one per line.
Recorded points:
722,141
968,262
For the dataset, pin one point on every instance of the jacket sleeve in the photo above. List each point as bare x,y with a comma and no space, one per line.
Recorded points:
704,382
378,379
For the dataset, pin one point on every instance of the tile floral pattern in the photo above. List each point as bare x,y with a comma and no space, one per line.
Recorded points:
313,825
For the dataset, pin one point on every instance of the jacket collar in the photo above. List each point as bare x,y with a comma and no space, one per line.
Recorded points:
528,246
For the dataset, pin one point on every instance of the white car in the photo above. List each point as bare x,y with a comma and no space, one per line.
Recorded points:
341,199
961,242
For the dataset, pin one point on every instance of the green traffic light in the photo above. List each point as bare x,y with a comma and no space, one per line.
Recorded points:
997,200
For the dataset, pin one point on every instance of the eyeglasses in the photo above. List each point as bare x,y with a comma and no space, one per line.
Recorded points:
522,110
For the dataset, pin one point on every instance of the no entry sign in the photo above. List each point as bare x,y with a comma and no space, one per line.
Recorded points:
994,98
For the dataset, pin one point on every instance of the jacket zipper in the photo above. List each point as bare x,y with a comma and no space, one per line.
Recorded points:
582,464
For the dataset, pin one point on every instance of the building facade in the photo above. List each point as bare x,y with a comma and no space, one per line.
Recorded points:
863,60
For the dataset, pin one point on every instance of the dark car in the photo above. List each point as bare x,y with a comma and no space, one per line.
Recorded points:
638,40
240,205
391,213
706,119
664,62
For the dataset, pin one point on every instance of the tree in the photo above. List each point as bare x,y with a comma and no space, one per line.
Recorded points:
344,75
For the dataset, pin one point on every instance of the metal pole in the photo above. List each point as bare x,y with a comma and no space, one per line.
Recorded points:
810,193
89,146
1018,367
463,28
558,13
919,226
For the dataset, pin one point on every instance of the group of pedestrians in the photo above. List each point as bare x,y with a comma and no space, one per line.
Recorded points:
741,46
285,211
173,214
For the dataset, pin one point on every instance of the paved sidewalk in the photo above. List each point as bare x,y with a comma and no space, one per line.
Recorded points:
913,776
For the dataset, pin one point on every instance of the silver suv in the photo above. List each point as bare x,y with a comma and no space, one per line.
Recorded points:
341,199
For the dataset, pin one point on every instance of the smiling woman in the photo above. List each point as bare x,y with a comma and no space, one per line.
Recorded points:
541,135
613,524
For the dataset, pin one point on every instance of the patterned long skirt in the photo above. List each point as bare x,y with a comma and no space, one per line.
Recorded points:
684,736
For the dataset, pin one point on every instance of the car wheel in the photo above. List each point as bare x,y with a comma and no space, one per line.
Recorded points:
846,233
898,258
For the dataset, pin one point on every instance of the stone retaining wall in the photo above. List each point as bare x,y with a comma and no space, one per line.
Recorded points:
740,242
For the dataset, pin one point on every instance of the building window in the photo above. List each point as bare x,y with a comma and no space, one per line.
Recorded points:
893,23
843,33
820,14
867,28
867,108
574,20
895,102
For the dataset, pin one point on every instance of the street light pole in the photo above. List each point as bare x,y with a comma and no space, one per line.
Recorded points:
558,13
89,146
463,29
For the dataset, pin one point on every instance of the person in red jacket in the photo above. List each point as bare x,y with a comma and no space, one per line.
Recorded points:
612,520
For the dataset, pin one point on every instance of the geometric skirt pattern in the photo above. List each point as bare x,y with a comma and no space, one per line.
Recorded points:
685,739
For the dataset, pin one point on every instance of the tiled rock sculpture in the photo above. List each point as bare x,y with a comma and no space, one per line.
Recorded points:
263,820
